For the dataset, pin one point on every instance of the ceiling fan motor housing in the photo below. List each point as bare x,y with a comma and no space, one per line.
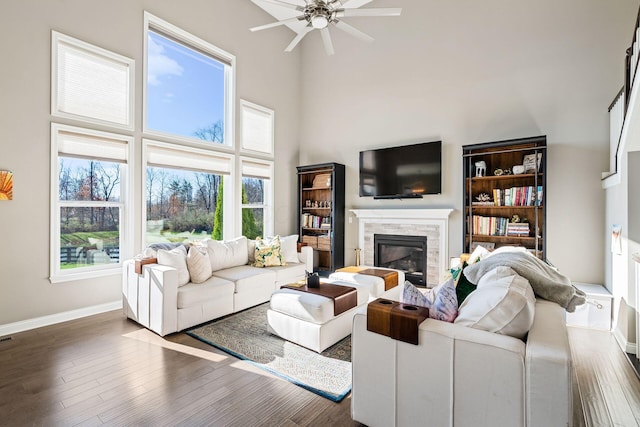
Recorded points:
319,14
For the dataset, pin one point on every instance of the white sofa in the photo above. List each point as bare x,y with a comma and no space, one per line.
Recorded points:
461,376
155,298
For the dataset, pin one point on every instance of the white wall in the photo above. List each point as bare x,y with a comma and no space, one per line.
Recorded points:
265,75
468,72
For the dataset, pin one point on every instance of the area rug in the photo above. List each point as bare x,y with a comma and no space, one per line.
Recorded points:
244,335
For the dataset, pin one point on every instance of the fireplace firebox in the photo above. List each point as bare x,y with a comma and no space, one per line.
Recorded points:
405,253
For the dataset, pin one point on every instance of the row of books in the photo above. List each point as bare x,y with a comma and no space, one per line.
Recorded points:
498,226
315,221
518,196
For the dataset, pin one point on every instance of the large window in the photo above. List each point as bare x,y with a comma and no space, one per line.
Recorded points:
185,195
257,204
89,191
188,86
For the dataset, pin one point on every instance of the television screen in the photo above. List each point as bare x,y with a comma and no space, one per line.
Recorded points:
404,171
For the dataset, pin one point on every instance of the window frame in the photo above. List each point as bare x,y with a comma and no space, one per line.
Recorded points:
228,195
57,275
163,27
268,196
247,106
56,40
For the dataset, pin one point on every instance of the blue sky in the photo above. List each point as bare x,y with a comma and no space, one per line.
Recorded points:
184,88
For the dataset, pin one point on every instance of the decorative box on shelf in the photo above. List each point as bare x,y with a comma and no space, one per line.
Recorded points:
311,241
596,312
324,243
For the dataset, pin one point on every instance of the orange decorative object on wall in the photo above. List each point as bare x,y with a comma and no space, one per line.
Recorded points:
6,185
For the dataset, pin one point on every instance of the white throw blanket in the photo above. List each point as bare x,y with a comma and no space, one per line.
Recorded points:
546,282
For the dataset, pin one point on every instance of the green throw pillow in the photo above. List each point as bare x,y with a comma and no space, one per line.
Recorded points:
463,286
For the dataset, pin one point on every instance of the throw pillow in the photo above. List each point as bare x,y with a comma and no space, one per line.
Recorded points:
198,264
176,258
251,250
463,286
503,303
441,300
228,253
268,253
289,246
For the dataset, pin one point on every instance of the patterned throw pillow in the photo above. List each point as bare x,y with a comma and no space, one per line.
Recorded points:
268,253
441,300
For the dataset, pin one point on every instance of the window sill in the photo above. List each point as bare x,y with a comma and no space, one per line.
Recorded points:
70,277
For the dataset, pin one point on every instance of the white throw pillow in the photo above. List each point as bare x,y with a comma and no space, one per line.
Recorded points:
226,254
176,258
289,247
503,303
198,264
251,250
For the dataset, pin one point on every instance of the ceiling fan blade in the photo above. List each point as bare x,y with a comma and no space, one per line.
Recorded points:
296,6
297,38
353,31
381,11
354,3
326,40
276,24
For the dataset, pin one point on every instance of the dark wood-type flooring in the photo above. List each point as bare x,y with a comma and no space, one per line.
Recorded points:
106,370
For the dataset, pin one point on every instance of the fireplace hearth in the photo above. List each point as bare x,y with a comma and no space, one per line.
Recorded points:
405,253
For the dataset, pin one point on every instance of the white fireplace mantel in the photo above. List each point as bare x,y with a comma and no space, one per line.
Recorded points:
437,219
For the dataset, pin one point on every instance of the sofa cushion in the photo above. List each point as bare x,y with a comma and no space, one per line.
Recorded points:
268,253
198,293
441,300
199,264
290,273
503,303
248,278
228,253
176,258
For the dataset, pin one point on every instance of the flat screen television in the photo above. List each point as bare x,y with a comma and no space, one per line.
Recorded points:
405,171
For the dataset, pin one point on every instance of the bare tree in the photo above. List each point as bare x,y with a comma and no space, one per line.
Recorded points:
214,132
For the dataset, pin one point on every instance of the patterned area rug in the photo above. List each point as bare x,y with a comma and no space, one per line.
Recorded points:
244,335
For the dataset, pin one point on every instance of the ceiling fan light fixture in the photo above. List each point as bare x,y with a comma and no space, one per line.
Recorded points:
319,21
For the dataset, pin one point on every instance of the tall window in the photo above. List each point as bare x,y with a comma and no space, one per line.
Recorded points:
88,200
90,228
185,197
188,87
257,199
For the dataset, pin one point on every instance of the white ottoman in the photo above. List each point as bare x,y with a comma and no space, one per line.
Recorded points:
374,283
307,319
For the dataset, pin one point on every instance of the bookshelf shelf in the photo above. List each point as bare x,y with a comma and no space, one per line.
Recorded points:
522,195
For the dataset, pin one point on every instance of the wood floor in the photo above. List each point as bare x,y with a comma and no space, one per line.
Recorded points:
106,370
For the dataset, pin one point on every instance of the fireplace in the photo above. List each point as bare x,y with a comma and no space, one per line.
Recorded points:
405,253
430,223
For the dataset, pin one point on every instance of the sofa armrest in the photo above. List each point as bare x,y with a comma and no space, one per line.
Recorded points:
306,257
549,368
151,298
455,373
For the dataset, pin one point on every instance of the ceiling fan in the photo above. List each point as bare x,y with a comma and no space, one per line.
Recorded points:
319,14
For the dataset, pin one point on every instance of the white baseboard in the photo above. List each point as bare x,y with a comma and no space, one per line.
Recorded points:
626,346
38,322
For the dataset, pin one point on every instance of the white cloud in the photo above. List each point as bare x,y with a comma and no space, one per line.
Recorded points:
159,64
